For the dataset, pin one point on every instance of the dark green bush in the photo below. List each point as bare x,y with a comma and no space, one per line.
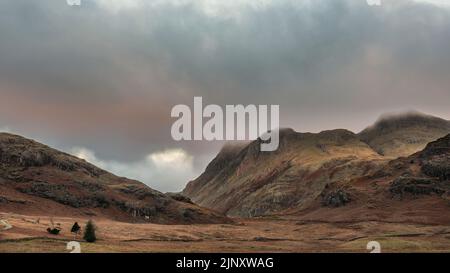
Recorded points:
89,232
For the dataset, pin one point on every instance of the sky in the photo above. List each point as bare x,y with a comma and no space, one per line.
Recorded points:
99,80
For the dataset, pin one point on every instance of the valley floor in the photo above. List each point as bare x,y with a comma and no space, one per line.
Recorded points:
274,234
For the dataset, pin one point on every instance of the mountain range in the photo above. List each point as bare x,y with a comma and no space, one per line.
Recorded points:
395,170
389,171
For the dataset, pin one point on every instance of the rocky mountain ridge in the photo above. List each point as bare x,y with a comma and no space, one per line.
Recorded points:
324,171
36,179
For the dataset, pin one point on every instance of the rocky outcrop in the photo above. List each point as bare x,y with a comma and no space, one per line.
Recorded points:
418,186
179,197
436,159
437,167
440,147
336,199
426,172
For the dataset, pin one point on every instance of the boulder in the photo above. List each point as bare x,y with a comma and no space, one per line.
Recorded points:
336,199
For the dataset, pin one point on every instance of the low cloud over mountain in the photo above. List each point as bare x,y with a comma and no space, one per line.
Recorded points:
112,70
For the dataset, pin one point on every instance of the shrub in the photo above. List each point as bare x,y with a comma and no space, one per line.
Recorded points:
54,231
75,228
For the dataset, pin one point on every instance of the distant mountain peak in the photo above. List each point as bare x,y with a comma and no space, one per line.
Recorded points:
395,121
403,134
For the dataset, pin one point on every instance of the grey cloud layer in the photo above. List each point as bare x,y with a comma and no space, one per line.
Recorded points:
106,78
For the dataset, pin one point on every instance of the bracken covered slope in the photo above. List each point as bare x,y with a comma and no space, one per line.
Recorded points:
36,179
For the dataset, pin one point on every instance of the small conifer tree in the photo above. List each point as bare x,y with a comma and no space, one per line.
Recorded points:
89,232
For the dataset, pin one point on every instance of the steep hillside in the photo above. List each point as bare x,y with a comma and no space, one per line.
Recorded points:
36,179
247,182
404,134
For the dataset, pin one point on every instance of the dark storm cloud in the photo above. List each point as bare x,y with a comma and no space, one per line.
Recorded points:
105,75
